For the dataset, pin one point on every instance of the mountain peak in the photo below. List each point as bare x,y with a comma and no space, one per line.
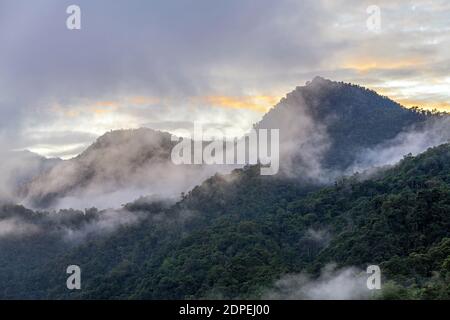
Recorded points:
319,80
335,120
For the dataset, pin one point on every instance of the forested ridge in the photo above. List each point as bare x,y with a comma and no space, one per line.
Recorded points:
233,236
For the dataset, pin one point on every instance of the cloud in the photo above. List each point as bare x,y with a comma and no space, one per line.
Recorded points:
332,284
133,61
144,53
106,222
413,140
256,103
16,227
119,167
304,139
77,225
17,169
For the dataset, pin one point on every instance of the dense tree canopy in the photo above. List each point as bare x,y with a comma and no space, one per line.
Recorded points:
233,236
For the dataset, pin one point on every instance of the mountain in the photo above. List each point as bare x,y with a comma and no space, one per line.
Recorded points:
325,126
236,235
243,235
119,166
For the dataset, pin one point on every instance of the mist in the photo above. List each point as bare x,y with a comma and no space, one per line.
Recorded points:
124,165
411,141
119,167
69,225
332,284
19,168
304,140
106,222
15,227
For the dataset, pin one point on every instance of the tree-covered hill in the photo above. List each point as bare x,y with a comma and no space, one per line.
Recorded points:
335,121
234,236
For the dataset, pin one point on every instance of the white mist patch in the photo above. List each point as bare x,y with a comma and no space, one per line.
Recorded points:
412,141
304,141
332,284
101,200
119,167
321,236
18,168
16,227
107,222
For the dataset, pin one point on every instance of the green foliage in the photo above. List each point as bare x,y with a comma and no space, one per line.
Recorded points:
234,235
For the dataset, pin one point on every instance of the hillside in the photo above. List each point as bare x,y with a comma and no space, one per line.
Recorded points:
234,236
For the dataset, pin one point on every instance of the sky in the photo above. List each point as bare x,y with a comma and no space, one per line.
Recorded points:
165,64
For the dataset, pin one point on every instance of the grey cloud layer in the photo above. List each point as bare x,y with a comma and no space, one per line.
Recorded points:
163,48
179,49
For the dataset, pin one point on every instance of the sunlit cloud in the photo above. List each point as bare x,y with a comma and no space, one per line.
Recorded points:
368,64
255,103
144,100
